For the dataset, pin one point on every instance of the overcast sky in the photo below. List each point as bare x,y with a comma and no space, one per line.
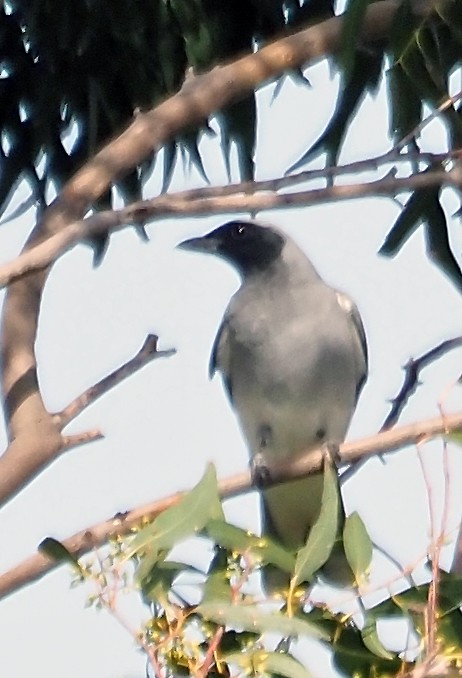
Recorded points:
164,423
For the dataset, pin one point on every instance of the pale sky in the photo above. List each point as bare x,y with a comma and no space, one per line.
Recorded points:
164,423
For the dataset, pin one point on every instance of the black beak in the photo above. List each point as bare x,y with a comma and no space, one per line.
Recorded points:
203,244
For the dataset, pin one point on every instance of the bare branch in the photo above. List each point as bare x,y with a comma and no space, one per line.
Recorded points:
249,197
78,439
18,466
36,566
146,354
412,371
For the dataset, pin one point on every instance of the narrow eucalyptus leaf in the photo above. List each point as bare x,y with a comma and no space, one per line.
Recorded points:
182,520
56,550
263,662
263,549
351,25
357,545
438,244
252,618
405,103
409,219
372,642
322,536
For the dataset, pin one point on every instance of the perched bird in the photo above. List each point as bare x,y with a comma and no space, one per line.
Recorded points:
293,356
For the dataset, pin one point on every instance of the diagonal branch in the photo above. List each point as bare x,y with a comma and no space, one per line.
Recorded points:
146,354
36,566
410,383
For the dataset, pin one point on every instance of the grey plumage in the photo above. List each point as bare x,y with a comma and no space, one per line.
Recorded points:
293,356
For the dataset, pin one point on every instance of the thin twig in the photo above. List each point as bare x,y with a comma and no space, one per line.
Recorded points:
146,354
411,381
36,566
430,609
208,662
447,103
409,387
77,439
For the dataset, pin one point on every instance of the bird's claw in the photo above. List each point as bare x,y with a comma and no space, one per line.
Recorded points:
331,450
259,471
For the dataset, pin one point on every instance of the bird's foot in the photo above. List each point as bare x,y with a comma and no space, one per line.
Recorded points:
259,471
331,451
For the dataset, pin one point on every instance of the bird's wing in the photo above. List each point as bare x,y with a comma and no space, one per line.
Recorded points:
219,357
357,327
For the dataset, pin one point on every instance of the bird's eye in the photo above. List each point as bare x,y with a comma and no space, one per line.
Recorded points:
239,230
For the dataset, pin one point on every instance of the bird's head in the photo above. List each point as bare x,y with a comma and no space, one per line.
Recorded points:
248,245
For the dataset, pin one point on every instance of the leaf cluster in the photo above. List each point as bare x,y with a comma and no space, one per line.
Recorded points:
237,625
73,74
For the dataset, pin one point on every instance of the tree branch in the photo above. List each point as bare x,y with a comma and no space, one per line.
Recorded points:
245,197
36,566
412,371
146,354
35,438
18,466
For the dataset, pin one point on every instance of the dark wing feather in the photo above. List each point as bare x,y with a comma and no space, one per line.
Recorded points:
219,357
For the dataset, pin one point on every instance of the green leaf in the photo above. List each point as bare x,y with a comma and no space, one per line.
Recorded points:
263,549
372,642
254,619
454,437
409,219
450,592
263,662
56,550
451,14
404,26
450,630
364,78
282,664
438,245
157,583
217,586
358,546
352,20
242,659
354,659
405,104
182,520
238,123
321,539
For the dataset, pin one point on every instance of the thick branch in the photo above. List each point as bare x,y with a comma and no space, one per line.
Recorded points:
30,426
38,565
249,197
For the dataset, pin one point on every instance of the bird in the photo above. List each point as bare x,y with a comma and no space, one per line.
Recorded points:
293,357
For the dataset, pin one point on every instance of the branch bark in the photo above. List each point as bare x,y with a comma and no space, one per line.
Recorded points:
37,565
34,437
146,354
251,197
